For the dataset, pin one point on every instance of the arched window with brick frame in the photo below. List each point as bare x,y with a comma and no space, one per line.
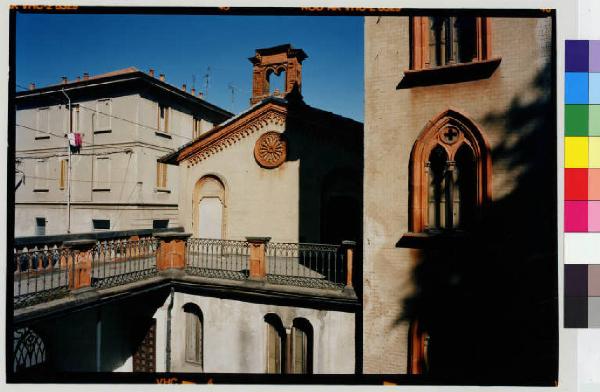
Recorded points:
450,174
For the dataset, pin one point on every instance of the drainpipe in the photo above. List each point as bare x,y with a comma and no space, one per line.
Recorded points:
168,364
69,164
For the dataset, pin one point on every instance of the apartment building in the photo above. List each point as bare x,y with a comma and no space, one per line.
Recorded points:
126,119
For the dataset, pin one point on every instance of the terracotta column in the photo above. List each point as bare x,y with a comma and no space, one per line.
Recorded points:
171,250
80,264
257,263
350,245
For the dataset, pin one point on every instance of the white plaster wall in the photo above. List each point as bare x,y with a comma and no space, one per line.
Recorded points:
235,336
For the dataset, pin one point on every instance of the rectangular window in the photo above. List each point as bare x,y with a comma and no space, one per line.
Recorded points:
75,118
101,224
40,226
163,118
446,40
43,124
41,176
102,174
103,115
161,175
63,169
160,223
197,130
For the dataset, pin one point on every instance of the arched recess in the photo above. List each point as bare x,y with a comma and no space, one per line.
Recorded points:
209,208
278,83
194,334
450,133
276,348
302,347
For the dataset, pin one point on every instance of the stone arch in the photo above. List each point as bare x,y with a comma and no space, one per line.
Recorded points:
450,130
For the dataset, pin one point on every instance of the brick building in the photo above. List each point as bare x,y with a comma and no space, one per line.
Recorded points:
459,202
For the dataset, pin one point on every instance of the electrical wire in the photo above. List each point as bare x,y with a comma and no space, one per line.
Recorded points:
120,118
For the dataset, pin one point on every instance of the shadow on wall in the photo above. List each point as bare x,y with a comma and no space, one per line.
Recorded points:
489,302
329,149
72,340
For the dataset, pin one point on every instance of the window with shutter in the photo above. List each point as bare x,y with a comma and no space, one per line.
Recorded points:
193,334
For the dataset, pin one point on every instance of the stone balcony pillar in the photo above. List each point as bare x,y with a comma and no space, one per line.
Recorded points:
171,250
257,262
350,246
80,265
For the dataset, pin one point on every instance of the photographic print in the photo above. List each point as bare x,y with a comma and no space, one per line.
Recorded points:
282,195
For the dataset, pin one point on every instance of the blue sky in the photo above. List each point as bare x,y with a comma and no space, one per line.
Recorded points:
50,46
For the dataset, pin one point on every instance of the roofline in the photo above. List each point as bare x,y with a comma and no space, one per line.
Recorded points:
173,157
119,78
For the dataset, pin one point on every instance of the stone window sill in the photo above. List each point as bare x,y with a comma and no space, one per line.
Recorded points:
447,74
431,239
162,134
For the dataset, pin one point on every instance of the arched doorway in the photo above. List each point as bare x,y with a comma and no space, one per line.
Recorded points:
209,208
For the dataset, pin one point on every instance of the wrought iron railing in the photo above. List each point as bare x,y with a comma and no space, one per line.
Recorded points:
121,261
214,258
45,273
307,265
41,274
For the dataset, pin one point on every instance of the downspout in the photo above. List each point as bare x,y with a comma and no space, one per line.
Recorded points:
168,360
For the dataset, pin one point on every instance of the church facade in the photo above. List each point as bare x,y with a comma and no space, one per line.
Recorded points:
459,203
280,169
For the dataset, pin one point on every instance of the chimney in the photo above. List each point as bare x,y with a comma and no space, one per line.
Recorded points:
78,78
162,77
32,86
86,76
184,87
193,91
64,80
200,94
151,72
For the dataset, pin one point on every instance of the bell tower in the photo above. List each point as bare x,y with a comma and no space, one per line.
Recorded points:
275,60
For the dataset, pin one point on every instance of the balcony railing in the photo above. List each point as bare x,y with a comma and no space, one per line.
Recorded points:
215,258
121,261
308,265
48,272
41,274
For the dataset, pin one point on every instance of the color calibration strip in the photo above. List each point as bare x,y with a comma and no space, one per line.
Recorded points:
582,184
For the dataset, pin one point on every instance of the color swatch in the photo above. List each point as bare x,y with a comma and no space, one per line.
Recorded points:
582,136
582,184
582,296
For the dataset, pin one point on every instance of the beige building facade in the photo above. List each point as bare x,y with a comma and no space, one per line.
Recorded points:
127,120
454,105
280,169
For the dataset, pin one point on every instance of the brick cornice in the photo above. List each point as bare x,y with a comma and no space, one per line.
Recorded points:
231,133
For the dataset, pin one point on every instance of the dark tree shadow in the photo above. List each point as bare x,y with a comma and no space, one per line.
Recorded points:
489,301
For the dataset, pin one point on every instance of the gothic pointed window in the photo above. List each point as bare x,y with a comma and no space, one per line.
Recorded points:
450,175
